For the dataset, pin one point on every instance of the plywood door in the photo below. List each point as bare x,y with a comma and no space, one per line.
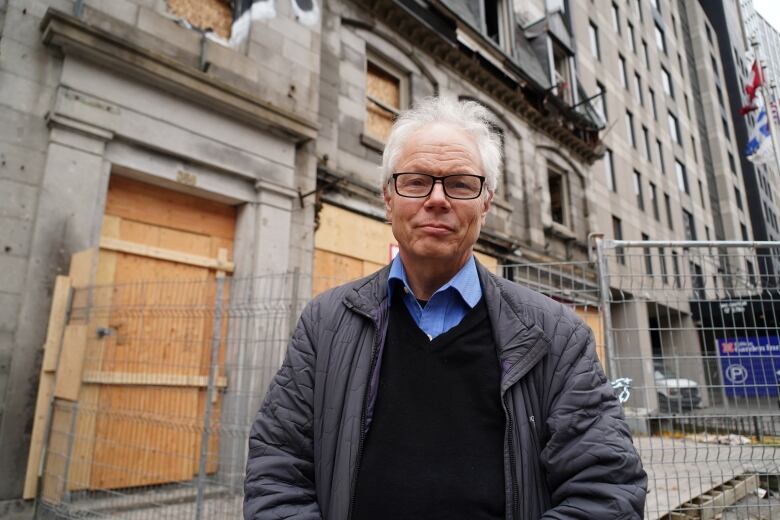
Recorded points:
146,379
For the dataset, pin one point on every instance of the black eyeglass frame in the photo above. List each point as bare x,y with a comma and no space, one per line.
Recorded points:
435,180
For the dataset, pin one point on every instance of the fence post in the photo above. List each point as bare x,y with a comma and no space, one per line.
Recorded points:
606,311
296,287
216,339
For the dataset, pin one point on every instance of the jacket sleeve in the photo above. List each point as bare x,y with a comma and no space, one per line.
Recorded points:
593,469
280,467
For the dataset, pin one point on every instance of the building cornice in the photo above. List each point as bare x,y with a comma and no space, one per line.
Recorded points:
120,51
540,109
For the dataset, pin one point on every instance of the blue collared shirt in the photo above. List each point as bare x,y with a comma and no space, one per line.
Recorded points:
447,306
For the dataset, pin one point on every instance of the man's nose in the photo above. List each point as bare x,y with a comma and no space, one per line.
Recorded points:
437,195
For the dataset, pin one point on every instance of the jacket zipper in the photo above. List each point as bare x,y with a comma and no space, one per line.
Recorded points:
519,371
374,353
512,460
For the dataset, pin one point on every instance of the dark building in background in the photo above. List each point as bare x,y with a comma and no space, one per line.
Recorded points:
726,19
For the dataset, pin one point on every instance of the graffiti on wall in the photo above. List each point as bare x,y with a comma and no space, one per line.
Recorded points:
247,11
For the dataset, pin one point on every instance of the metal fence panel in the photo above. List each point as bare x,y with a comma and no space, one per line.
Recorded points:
694,326
174,373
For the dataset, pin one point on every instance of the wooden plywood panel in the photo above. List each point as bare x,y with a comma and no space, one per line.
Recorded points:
592,317
54,483
51,352
84,438
147,433
146,438
490,262
146,337
141,202
102,295
371,267
385,89
349,234
331,269
205,14
74,342
45,389
82,268
57,315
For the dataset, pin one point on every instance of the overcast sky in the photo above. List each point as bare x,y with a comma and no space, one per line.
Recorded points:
770,10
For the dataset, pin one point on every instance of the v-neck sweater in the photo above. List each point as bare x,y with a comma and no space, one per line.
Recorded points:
435,446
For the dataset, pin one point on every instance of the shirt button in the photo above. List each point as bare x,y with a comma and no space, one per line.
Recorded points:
406,290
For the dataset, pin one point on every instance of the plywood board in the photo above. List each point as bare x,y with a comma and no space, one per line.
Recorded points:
74,342
161,253
99,316
82,267
215,15
45,389
83,439
371,267
57,316
148,427
348,234
54,481
144,436
490,262
332,269
140,202
592,317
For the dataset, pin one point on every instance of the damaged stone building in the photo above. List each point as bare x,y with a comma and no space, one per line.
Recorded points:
177,139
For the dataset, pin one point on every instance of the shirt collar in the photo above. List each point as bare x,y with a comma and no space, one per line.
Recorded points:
465,282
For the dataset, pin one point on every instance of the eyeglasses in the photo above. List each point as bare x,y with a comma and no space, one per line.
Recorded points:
462,186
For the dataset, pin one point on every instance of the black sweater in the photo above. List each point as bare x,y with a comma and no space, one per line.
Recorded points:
435,449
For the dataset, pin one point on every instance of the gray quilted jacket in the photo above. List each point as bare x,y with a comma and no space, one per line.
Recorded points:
567,449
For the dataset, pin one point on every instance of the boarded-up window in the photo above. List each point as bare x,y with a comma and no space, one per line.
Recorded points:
384,100
215,15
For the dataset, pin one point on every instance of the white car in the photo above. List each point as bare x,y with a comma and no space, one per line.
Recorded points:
676,394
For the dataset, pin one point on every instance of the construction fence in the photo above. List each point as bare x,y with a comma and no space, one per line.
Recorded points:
148,390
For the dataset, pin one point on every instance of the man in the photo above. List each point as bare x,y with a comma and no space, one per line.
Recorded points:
434,389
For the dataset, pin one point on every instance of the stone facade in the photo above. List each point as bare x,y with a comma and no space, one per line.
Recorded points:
123,89
276,125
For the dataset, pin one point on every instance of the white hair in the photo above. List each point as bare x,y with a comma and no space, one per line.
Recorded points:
473,118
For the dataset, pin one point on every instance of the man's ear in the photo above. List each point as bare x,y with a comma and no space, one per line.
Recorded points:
486,205
387,195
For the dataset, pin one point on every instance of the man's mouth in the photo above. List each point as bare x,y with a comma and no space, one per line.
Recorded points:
436,227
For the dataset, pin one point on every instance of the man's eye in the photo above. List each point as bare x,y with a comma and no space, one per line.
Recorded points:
415,182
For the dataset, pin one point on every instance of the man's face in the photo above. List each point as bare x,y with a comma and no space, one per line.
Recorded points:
437,227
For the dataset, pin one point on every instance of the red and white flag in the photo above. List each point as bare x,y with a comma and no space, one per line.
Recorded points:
756,80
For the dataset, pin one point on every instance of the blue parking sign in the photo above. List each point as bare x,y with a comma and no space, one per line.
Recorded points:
750,366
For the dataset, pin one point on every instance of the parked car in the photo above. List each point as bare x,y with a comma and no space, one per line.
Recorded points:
675,394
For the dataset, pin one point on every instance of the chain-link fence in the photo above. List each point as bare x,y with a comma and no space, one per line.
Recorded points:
155,418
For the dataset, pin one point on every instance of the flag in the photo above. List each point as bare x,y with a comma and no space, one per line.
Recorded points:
756,80
745,110
759,146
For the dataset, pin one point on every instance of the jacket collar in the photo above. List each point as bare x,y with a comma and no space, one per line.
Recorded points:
520,342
